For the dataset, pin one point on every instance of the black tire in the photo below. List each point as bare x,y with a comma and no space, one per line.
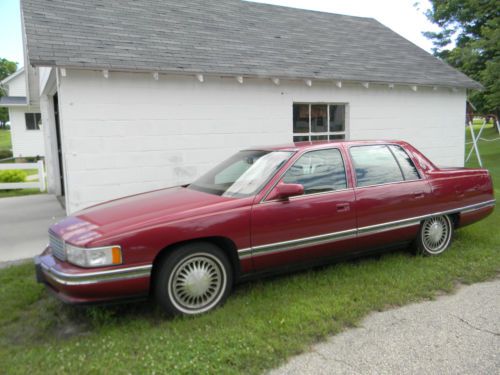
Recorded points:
195,278
435,235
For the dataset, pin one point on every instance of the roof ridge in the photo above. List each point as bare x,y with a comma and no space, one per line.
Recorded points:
292,8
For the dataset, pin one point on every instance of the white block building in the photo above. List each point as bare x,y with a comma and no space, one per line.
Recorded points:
147,101
24,115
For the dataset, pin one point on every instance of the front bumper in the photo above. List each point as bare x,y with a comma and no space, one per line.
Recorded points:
73,284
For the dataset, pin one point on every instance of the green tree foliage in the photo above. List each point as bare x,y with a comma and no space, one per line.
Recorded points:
6,69
469,40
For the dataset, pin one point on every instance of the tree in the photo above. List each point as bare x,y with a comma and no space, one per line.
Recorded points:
6,69
469,40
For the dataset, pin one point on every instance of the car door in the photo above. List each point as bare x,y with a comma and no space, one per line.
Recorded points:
319,223
390,195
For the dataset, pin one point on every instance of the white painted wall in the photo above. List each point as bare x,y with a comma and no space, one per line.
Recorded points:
17,85
130,133
25,142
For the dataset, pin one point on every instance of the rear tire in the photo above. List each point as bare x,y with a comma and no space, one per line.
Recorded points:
434,236
196,278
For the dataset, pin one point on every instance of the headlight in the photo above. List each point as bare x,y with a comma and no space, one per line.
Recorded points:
94,257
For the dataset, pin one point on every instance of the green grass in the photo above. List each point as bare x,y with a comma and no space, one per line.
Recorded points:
19,193
30,172
5,142
22,192
262,324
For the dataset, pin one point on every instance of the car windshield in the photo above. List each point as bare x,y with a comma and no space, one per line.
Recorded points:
243,174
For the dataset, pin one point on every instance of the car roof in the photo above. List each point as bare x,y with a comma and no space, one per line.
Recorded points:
313,145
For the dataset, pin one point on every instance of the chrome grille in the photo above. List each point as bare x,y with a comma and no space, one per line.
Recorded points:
57,246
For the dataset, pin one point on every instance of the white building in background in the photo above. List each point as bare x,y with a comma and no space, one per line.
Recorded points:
24,114
155,95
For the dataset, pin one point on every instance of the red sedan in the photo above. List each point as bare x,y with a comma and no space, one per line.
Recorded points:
258,211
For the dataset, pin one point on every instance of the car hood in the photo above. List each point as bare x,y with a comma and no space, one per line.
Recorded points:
127,214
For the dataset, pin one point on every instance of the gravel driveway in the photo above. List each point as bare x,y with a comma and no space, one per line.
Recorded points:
456,334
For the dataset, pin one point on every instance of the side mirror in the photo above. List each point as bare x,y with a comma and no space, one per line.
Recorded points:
285,191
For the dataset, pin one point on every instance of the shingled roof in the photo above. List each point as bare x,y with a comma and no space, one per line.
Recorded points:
226,37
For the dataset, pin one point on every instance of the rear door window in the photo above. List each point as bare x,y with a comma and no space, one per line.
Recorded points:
406,164
375,165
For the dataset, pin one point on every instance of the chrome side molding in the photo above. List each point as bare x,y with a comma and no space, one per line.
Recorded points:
351,233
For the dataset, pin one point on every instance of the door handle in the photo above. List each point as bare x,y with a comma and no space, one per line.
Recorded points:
418,195
343,207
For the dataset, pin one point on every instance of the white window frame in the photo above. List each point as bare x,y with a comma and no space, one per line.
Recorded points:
328,133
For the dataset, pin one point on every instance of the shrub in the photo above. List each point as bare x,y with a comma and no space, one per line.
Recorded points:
12,176
5,154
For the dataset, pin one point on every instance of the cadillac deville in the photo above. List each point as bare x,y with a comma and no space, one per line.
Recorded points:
261,210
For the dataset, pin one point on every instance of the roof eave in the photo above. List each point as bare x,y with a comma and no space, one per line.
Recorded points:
473,85
15,103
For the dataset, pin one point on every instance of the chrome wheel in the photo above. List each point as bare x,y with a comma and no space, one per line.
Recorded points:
197,283
436,234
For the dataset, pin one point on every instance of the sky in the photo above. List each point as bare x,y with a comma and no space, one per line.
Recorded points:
399,15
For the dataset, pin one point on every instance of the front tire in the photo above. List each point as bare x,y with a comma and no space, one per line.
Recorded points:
435,235
196,278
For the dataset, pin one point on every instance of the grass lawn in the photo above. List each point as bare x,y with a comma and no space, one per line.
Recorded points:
262,324
5,143
22,192
19,193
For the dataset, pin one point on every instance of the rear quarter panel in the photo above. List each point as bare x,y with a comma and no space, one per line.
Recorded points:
464,186
459,188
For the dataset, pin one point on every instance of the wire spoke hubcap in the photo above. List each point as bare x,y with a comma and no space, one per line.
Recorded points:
436,234
197,283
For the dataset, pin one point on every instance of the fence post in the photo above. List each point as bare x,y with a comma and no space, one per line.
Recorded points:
41,175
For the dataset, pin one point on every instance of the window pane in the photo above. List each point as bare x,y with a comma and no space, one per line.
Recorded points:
301,118
38,120
337,118
30,121
303,138
319,138
375,165
337,136
33,121
318,171
409,170
319,118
